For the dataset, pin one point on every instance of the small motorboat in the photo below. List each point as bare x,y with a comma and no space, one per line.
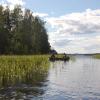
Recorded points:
59,59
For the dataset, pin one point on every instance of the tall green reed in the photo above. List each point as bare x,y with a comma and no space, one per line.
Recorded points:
22,69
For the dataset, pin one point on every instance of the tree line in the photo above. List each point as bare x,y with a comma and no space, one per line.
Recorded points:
21,32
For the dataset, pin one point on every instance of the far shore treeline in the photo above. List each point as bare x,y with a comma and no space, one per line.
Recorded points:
21,32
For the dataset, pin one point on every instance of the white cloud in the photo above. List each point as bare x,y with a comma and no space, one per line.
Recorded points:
76,32
73,44
12,3
40,14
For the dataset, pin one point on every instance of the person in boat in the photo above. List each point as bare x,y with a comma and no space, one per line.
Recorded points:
53,53
65,56
53,56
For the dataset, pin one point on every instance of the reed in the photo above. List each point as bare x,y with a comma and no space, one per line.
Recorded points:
97,56
16,69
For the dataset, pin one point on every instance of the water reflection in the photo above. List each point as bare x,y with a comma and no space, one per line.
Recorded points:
74,80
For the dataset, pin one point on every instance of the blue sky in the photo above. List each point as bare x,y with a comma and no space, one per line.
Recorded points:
73,25
60,7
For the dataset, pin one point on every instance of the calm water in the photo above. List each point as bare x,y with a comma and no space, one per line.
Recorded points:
77,79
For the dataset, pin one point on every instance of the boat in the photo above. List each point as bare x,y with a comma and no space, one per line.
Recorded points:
59,59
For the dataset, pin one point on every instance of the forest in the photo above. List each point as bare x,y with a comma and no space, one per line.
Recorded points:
21,32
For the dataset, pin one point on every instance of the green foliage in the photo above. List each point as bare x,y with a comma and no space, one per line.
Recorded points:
22,33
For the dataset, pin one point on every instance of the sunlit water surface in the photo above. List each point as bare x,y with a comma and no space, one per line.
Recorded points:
77,79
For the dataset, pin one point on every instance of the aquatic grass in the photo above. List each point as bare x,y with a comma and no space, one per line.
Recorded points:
16,69
97,56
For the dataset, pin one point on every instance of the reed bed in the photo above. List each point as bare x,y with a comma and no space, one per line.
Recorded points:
17,69
97,56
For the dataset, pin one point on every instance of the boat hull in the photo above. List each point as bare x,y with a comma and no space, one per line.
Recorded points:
59,59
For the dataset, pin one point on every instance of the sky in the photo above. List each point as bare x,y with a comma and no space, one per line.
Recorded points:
73,25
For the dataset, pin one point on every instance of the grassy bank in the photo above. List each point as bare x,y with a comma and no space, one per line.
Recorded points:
16,69
97,56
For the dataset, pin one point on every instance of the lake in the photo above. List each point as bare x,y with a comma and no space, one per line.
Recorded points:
76,79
